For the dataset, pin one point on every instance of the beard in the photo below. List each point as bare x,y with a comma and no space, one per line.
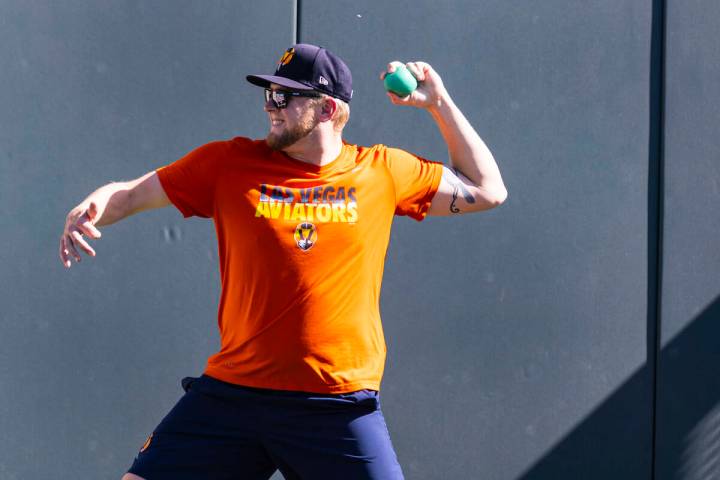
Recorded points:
288,136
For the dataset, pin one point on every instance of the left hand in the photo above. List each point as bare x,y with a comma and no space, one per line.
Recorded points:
430,88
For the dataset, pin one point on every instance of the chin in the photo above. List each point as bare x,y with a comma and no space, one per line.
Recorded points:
275,142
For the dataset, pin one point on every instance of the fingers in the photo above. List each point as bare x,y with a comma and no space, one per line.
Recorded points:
64,253
68,250
79,222
78,241
428,89
391,67
418,69
70,242
89,229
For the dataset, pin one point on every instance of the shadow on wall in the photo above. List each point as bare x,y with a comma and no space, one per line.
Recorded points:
615,442
604,446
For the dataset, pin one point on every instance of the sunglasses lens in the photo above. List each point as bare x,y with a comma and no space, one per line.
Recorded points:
278,99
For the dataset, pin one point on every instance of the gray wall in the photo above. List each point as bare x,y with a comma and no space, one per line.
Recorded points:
509,331
522,341
689,381
91,358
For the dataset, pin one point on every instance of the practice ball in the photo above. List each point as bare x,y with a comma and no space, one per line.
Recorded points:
401,82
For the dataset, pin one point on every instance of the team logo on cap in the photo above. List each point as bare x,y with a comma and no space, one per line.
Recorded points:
287,56
305,236
147,443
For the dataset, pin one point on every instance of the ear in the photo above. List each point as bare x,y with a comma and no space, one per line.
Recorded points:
329,106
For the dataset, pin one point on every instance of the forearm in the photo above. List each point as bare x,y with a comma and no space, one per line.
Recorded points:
112,201
468,153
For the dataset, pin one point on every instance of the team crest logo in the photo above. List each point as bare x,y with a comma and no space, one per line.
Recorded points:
305,236
147,443
287,56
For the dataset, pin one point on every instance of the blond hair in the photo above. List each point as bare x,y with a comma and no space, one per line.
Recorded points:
342,112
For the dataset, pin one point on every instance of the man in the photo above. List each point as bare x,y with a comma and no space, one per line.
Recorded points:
303,222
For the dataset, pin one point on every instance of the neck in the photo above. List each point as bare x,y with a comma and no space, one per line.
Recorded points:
316,148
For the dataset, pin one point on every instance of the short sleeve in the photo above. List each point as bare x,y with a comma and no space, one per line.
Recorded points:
416,181
190,181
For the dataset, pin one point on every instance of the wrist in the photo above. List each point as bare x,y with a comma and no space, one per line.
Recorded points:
441,102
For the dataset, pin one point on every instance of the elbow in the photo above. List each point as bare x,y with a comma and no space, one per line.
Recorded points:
494,198
487,199
500,197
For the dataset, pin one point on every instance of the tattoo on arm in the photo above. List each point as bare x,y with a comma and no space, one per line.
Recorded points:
458,188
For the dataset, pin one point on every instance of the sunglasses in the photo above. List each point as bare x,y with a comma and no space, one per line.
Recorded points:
280,98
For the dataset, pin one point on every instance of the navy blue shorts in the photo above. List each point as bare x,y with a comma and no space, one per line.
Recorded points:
221,431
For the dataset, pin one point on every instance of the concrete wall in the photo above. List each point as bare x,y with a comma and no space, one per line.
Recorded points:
510,331
91,358
689,377
524,343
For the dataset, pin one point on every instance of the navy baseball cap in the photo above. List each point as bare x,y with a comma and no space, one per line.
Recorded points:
309,67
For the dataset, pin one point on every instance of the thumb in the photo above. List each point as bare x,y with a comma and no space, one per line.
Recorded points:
92,211
397,99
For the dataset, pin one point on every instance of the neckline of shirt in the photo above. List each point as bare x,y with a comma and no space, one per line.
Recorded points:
340,162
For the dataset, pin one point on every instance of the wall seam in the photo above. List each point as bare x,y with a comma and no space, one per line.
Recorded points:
297,5
656,205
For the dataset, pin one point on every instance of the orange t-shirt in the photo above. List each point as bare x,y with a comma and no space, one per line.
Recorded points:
301,250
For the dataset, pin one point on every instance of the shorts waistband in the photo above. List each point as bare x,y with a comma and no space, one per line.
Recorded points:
220,386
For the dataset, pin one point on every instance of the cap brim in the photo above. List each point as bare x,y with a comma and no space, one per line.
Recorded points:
265,81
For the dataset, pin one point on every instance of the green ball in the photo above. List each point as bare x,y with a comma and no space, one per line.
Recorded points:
401,82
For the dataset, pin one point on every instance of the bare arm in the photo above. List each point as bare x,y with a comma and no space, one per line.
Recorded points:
458,194
473,181
105,206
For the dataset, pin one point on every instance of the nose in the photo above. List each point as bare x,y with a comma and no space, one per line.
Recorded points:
269,105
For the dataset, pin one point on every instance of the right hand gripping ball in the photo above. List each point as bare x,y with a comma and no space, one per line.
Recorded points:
401,82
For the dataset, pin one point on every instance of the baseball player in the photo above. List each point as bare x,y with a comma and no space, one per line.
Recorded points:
303,222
